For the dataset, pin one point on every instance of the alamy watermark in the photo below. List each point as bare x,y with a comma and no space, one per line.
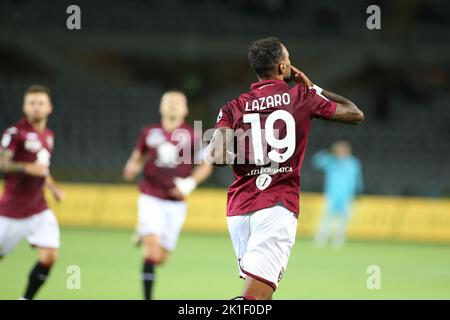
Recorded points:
73,281
373,22
374,279
73,21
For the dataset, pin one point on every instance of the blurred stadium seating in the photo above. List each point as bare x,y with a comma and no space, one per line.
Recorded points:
107,78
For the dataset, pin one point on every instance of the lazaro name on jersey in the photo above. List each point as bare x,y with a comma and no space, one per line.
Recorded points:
263,103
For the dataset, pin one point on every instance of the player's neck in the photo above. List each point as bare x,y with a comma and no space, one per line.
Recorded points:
38,125
171,124
271,78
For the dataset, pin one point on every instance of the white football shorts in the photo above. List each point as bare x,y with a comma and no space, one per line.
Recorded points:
41,230
262,242
160,217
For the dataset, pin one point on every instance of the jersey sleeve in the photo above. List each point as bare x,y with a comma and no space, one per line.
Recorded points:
141,144
319,105
223,118
10,139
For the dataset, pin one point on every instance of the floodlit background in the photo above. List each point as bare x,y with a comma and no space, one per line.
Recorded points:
107,79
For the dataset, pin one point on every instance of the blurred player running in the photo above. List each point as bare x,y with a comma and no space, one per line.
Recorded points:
25,153
263,201
167,181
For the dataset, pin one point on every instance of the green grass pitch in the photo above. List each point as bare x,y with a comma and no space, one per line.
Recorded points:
203,267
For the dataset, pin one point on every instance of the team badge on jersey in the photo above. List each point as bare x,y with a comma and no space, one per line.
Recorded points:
7,137
155,137
181,136
263,181
32,142
167,155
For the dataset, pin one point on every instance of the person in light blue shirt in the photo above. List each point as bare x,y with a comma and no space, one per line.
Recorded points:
343,181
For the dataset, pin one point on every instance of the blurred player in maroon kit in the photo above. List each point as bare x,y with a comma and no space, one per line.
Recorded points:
25,154
166,152
263,201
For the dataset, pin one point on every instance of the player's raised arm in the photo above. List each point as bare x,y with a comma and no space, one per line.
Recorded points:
346,110
219,150
8,165
134,165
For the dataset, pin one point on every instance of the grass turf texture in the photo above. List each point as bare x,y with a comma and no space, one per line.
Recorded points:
203,267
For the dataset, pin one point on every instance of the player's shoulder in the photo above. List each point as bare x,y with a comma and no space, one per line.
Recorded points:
49,132
11,130
16,127
188,127
355,160
299,90
234,105
146,128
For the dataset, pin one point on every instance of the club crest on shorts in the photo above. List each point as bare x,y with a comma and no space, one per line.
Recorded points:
263,181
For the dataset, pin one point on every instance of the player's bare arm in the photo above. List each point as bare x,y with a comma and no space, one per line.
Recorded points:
50,183
219,150
346,110
134,165
8,165
185,186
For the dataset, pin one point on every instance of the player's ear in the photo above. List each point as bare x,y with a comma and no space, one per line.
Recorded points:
282,68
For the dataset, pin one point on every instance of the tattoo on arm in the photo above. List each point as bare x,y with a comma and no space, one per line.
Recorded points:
335,97
346,110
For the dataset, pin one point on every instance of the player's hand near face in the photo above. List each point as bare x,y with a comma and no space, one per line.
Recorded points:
346,110
300,77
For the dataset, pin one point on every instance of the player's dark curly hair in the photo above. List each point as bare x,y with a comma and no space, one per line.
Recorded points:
264,55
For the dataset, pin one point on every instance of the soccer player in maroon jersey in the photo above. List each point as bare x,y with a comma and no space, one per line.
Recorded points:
25,153
263,201
166,152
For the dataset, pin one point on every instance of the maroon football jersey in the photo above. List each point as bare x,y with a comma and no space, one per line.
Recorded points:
170,155
271,123
23,194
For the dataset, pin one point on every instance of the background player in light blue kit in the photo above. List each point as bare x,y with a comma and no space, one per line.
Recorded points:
343,180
